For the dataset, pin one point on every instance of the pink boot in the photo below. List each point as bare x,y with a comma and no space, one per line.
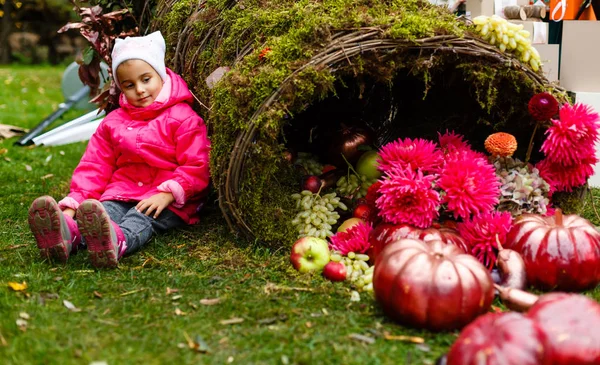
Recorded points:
105,240
54,235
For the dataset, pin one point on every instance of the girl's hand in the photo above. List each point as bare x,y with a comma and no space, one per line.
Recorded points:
156,203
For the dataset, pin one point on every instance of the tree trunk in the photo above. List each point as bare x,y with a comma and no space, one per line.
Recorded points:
7,27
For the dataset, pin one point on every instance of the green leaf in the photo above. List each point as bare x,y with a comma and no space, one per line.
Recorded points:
88,55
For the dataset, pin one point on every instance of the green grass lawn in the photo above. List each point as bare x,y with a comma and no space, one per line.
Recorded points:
154,305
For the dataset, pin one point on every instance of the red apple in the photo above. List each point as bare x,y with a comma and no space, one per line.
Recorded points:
334,271
310,254
327,168
367,165
349,223
362,211
312,183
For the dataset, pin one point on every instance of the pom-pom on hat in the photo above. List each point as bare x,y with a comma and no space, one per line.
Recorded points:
150,48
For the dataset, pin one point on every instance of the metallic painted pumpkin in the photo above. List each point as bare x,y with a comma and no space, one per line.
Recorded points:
431,285
500,339
571,323
561,252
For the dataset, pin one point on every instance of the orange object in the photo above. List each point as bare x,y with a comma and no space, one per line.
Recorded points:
567,10
501,144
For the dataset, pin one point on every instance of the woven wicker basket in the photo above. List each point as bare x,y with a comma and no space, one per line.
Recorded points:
359,53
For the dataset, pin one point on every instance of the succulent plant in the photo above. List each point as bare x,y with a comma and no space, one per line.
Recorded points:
522,188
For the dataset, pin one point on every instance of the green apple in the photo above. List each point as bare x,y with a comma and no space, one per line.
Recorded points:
310,254
349,223
367,165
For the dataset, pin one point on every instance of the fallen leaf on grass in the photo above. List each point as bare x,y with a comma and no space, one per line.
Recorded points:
272,287
12,247
3,151
3,341
28,168
234,320
132,292
22,324
308,325
411,339
108,322
179,312
171,291
24,315
83,271
176,297
70,306
16,286
362,338
212,301
198,344
47,176
97,295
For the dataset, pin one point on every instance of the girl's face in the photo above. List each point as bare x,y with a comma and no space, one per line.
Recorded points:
140,83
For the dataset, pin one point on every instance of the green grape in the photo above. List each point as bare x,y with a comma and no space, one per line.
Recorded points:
316,214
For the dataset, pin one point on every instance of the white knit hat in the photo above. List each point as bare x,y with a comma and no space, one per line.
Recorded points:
150,48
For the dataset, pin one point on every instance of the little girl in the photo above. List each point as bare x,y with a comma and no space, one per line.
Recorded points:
145,170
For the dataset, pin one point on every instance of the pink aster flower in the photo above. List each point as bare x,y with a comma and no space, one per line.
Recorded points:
354,239
451,141
573,137
565,178
407,196
418,153
481,233
470,185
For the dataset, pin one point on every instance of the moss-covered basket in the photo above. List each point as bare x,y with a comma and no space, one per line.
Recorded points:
299,69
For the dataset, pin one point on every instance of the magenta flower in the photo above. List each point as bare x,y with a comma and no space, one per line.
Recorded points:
482,232
470,184
407,196
418,154
573,137
354,239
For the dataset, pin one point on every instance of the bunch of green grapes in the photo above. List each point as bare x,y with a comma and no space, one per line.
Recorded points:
354,186
316,214
310,163
358,271
508,36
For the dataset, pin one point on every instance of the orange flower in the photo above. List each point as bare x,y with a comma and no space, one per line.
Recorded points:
501,144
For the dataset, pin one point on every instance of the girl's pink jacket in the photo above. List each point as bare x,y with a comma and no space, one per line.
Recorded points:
139,152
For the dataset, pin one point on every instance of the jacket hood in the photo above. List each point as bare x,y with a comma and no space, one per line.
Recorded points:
179,93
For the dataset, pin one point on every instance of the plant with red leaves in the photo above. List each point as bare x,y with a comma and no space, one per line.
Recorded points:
101,30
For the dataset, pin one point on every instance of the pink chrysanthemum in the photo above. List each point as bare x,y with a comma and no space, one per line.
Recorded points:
451,141
480,233
565,178
573,137
418,153
470,185
408,196
543,106
354,239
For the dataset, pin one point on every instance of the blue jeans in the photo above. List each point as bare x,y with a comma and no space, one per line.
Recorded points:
137,227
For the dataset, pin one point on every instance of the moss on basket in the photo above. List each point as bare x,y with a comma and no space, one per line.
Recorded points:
286,56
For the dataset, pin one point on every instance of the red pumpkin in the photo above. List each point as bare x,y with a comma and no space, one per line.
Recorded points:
431,285
386,233
571,323
560,252
500,338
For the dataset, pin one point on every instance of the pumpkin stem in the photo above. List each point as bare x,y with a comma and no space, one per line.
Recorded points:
558,217
500,248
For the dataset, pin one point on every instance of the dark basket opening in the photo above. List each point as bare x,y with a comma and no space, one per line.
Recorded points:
404,108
